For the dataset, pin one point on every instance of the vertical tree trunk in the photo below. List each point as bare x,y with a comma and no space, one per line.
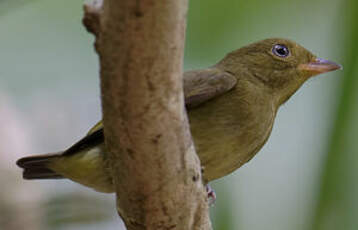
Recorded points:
151,156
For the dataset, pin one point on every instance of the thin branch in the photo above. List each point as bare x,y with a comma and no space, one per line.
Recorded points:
91,18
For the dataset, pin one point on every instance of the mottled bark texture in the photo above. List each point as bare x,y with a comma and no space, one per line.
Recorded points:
151,155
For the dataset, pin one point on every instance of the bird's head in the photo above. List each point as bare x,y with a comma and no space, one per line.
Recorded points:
279,65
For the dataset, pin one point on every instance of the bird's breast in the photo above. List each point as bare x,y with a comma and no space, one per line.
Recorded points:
229,130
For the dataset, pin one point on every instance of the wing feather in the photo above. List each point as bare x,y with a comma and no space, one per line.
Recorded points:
203,85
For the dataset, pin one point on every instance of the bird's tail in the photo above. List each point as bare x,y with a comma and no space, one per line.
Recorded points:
36,167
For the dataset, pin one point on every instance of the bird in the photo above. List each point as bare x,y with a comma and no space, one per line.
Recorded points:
231,108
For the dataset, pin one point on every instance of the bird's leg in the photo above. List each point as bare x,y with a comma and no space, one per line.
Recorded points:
211,194
209,191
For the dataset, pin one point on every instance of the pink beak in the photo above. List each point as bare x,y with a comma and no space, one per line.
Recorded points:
319,66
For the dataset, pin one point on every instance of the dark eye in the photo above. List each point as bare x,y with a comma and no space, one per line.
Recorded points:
280,50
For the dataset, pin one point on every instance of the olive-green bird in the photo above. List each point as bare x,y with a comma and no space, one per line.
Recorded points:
231,106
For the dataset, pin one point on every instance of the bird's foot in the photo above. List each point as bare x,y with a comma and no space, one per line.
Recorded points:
211,195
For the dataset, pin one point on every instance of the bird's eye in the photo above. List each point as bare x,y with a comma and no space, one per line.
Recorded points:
280,50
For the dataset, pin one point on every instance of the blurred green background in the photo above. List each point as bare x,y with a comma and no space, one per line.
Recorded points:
304,177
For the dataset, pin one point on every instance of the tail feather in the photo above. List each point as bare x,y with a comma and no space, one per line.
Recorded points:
36,167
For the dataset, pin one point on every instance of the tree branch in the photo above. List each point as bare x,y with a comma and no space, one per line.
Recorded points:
155,169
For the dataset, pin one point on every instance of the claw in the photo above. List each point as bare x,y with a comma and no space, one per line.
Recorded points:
211,195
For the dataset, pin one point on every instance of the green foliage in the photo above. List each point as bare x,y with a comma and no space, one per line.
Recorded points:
338,201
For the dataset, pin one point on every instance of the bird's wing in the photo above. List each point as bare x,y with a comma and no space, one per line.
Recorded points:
199,87
96,127
92,139
202,85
